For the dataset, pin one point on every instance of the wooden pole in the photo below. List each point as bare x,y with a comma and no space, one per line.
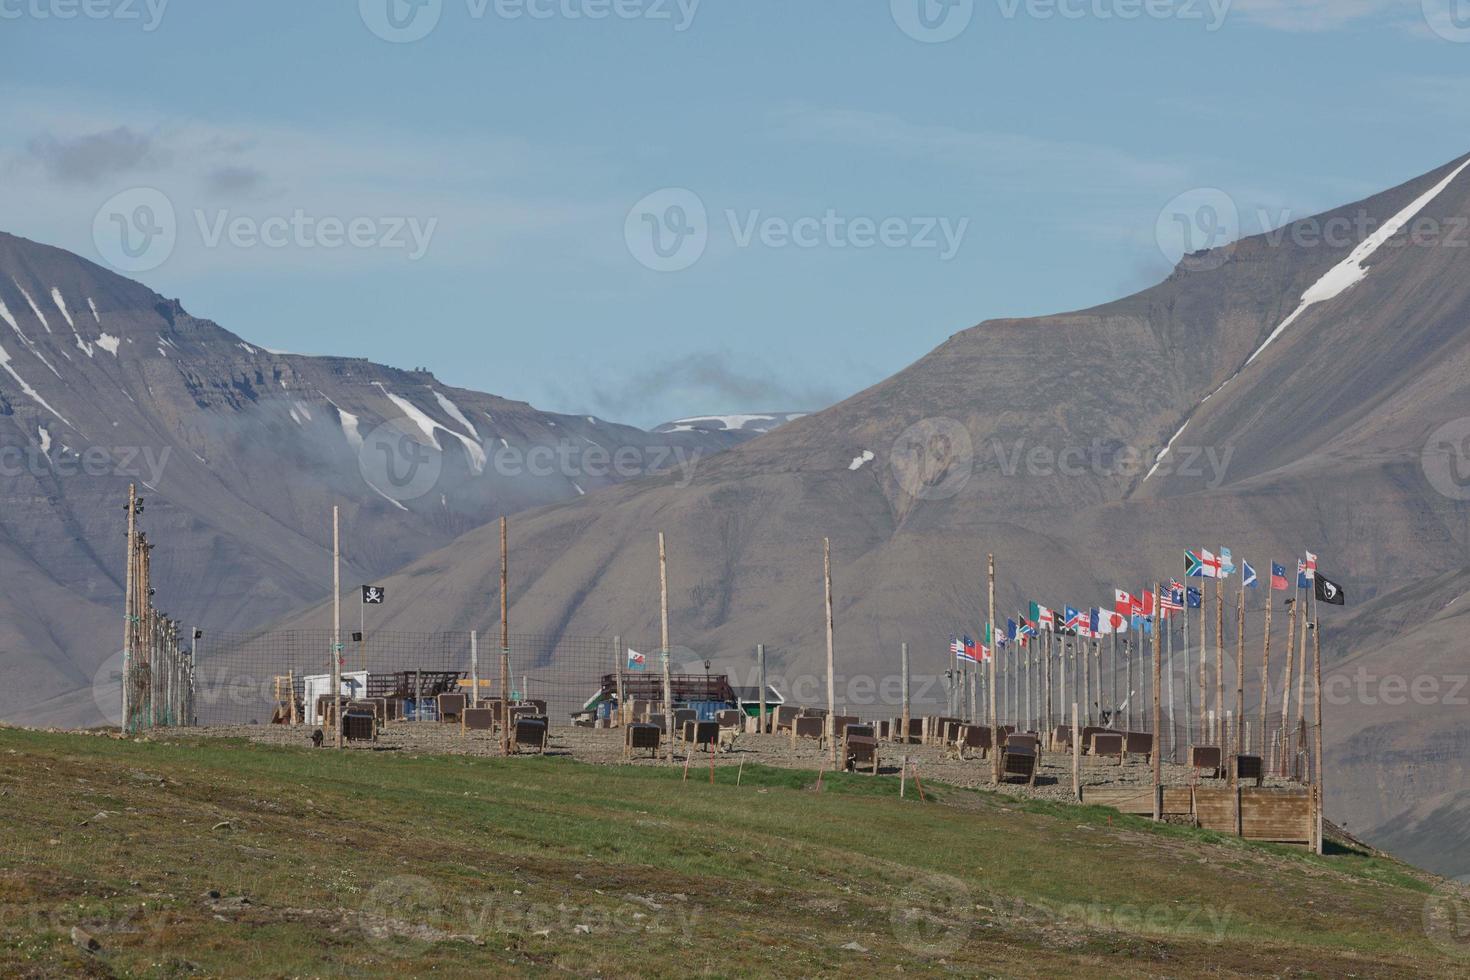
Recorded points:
505,637
620,659
760,662
831,679
1240,671
1113,677
128,613
1158,752
995,740
1046,678
903,660
1185,684
1169,664
1266,679
1301,690
1317,711
474,701
1076,754
1129,650
1086,681
336,625
663,605
1291,661
1220,663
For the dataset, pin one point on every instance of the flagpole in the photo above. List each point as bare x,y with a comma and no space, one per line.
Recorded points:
1185,683
663,605
1266,674
1158,753
1240,668
1301,690
1169,640
1046,671
1086,682
1286,687
1131,648
995,741
1204,657
1317,711
336,626
831,680
1220,659
505,637
1113,674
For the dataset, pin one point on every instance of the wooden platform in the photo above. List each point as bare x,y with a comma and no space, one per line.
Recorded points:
1282,816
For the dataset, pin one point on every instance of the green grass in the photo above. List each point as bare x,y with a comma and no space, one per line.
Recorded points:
387,864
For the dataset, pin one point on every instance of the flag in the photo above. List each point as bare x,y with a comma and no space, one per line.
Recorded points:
1104,622
1041,616
1248,575
373,595
1303,577
1327,590
1311,564
1059,624
1227,563
636,660
1278,577
1193,598
1201,564
964,650
1123,602
1173,599
1028,628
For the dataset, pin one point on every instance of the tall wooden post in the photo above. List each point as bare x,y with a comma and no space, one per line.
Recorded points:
474,701
620,660
1205,733
1076,754
663,605
504,637
1240,671
1186,686
1319,783
903,660
1129,650
996,746
337,625
1282,764
1082,646
128,613
760,662
1301,690
1113,677
1158,752
1220,663
1169,684
1266,681
1046,679
831,679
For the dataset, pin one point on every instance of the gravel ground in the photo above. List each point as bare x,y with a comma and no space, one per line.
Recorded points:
605,747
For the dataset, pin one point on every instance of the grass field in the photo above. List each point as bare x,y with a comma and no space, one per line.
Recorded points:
217,858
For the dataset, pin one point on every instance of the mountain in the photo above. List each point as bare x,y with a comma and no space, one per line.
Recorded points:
240,453
1276,394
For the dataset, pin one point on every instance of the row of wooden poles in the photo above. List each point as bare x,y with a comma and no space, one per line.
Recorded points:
1031,694
158,670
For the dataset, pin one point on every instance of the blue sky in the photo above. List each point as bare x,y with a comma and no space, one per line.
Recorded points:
1020,167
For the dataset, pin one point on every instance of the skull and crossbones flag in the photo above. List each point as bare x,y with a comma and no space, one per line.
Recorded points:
373,595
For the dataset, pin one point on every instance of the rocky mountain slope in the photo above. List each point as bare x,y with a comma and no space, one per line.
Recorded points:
1301,384
240,454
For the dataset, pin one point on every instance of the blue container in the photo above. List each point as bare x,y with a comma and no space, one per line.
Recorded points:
706,710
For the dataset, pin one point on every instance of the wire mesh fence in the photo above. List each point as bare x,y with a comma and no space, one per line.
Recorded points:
242,679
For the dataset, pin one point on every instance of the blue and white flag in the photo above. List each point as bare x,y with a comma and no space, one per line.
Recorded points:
1248,576
636,660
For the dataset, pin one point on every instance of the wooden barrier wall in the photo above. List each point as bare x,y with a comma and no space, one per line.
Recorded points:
1278,815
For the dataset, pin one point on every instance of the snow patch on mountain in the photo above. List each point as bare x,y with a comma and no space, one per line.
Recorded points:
750,423
452,410
430,429
34,308
1351,270
858,462
60,302
108,343
93,307
25,387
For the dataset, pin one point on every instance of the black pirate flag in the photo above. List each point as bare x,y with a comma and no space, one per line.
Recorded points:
373,595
